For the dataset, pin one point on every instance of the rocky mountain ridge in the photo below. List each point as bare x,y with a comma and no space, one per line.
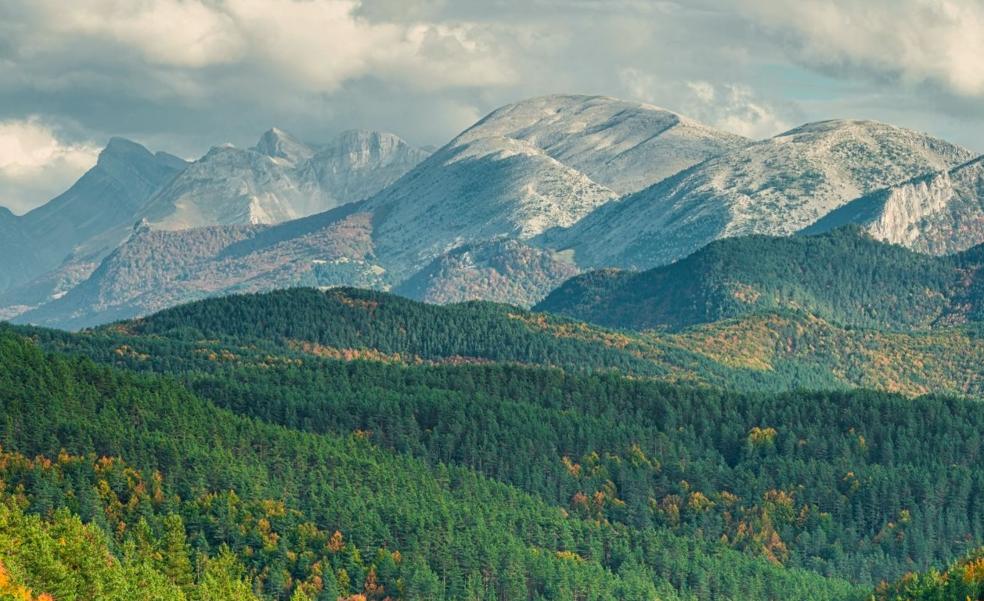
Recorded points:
776,186
525,198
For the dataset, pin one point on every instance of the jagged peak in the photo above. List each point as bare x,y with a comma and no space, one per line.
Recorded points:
365,134
218,149
122,148
369,139
360,138
279,144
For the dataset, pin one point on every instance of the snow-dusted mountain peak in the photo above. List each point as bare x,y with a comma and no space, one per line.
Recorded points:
280,179
365,148
532,166
122,147
622,145
278,144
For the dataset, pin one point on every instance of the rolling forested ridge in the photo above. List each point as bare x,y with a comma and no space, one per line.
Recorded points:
350,444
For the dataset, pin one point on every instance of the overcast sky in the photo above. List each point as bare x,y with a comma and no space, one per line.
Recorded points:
184,75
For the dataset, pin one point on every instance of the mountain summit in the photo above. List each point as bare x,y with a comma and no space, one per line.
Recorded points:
278,144
532,166
83,221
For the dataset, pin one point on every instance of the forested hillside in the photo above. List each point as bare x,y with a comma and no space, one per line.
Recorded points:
59,557
350,444
312,515
859,485
788,350
844,276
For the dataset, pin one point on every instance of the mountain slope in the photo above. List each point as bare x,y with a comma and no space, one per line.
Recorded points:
818,480
19,259
228,186
964,579
939,213
155,269
316,511
84,222
844,276
505,271
775,186
529,167
624,146
358,163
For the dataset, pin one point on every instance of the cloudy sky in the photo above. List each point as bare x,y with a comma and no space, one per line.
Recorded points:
183,75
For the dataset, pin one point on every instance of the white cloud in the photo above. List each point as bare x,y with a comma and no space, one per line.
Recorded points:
316,45
35,165
736,109
729,106
184,33
913,41
184,74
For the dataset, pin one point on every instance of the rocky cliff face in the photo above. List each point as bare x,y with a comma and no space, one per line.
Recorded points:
939,213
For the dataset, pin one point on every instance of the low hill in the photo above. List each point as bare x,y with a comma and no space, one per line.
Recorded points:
769,351
844,276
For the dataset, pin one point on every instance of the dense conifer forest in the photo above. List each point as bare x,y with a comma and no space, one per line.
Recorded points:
351,444
172,481
843,276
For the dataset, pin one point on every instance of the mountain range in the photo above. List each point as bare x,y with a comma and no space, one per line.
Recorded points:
60,244
775,186
531,195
